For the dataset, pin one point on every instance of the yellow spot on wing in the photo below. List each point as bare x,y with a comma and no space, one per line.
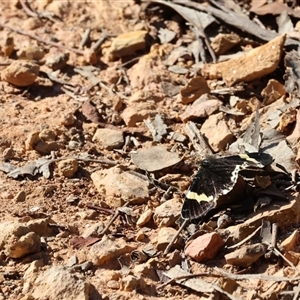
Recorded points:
248,158
198,197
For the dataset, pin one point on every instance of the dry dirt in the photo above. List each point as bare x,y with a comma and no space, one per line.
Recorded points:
125,94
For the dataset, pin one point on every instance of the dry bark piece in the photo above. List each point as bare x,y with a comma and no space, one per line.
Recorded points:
204,247
21,73
247,255
157,128
194,89
292,73
127,43
155,158
252,65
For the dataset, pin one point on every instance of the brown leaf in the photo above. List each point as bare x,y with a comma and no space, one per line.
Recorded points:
79,242
91,112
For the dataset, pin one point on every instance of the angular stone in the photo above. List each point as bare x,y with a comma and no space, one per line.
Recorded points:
21,73
58,283
224,42
109,138
200,109
137,113
17,247
116,183
167,213
109,249
251,65
127,43
217,132
291,243
155,158
145,217
204,247
247,255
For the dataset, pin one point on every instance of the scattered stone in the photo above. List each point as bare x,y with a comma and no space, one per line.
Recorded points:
194,89
93,230
57,61
21,73
17,247
133,283
200,109
68,120
58,283
273,91
73,260
8,153
116,183
204,247
127,43
246,255
67,167
224,42
108,249
31,52
113,284
137,113
42,227
20,197
165,236
145,217
167,213
45,148
17,240
291,243
285,215
155,158
109,138
252,65
47,135
217,132
32,140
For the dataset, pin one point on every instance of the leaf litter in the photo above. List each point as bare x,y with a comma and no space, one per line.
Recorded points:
176,100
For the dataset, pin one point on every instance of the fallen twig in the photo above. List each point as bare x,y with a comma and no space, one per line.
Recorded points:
41,40
117,213
183,225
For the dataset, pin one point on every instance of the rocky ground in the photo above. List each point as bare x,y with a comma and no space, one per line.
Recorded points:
106,110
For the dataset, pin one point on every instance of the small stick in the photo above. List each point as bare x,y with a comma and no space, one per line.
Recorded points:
183,225
117,213
39,39
85,38
245,239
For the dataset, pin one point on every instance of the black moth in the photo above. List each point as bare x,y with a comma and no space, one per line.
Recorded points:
217,177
